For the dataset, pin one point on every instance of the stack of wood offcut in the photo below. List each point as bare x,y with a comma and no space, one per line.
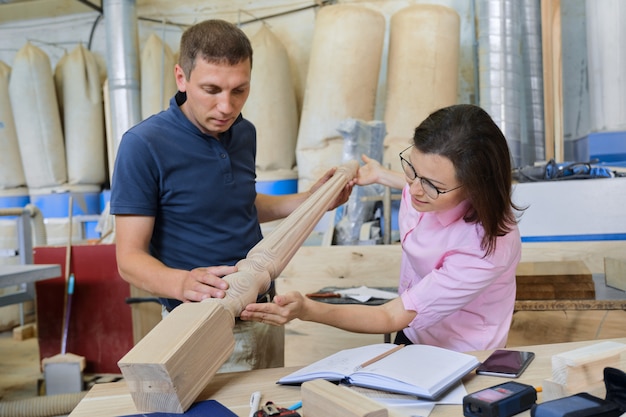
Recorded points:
559,280
582,370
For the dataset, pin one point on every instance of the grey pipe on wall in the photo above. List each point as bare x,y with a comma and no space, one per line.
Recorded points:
510,73
120,18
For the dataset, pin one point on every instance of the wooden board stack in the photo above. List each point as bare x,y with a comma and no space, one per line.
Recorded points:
562,280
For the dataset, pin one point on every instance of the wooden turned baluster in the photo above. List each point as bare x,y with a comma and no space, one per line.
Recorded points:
171,365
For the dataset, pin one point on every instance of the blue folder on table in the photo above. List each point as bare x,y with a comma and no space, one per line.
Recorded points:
206,408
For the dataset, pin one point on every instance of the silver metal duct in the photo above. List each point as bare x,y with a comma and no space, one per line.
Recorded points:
510,73
122,65
533,126
606,49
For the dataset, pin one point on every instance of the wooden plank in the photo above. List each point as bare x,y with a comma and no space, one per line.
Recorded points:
178,346
552,78
552,326
580,367
24,332
591,253
567,291
376,265
552,270
65,358
559,280
561,305
146,315
615,272
321,398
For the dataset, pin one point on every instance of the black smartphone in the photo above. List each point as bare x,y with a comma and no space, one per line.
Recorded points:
506,363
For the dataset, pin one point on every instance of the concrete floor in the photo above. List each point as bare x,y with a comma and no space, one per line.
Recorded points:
19,367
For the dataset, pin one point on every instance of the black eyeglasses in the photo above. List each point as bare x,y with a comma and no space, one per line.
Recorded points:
429,188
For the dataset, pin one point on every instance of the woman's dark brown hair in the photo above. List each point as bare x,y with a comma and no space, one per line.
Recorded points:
470,139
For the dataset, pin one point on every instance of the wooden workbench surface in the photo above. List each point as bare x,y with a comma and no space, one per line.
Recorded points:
535,321
234,389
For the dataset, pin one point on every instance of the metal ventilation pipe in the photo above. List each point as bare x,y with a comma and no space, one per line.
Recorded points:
122,65
499,68
606,37
535,149
510,73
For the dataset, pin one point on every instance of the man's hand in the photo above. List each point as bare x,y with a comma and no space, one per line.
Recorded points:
343,196
202,283
282,310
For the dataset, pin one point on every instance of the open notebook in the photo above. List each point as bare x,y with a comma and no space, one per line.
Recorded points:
421,370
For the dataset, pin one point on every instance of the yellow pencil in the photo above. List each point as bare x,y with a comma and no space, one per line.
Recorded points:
379,357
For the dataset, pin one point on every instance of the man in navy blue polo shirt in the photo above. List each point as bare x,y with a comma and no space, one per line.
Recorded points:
183,190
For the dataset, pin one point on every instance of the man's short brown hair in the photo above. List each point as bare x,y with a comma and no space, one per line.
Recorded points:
216,41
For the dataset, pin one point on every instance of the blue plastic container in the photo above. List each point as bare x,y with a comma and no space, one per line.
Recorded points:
277,187
14,201
105,197
56,204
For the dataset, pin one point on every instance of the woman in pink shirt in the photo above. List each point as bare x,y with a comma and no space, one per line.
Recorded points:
459,236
